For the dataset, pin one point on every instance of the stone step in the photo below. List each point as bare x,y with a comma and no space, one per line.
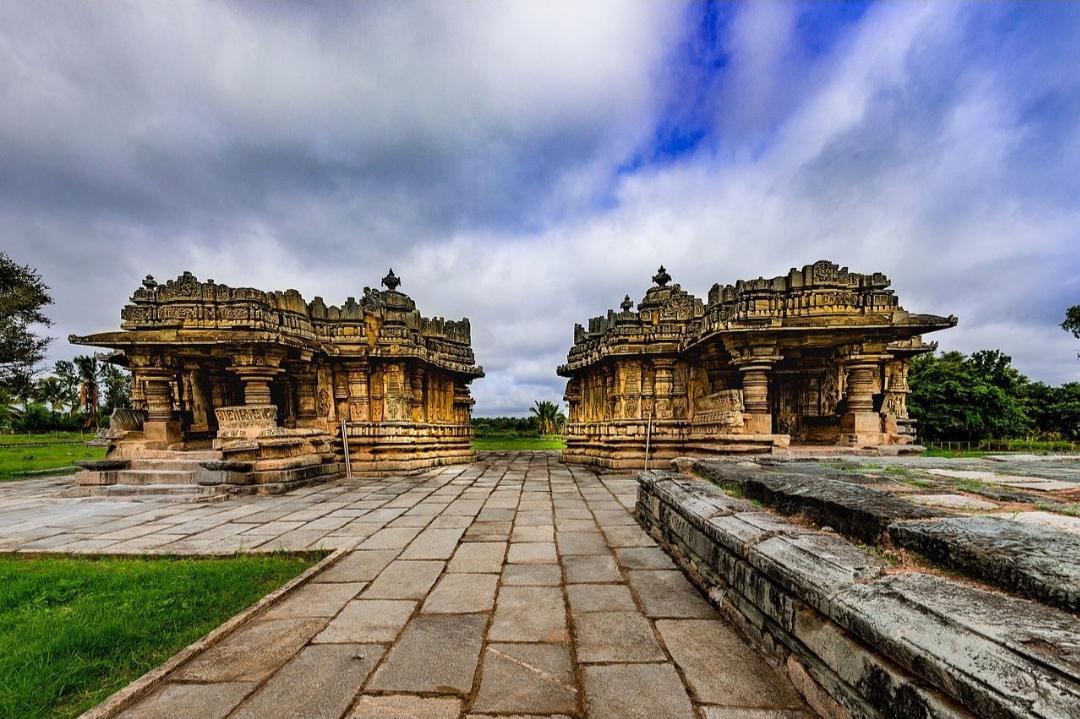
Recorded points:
136,477
193,454
160,492
183,465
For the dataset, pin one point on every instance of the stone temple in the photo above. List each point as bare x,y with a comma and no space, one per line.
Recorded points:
817,357
253,390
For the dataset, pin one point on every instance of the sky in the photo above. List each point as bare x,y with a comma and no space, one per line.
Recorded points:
528,164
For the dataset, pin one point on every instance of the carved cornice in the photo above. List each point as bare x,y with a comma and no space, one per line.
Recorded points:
815,300
385,323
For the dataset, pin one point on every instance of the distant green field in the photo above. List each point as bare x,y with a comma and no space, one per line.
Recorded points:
58,453
517,443
48,437
73,631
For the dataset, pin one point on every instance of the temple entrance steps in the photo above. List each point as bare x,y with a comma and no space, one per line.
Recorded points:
156,492
173,475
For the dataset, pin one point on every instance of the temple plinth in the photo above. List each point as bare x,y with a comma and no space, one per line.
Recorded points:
265,387
816,357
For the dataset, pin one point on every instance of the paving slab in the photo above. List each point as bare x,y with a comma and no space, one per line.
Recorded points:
478,557
174,701
529,614
316,600
462,593
599,598
616,637
368,620
532,553
253,652
436,654
358,566
318,683
743,679
636,691
403,579
667,593
526,679
406,707
594,568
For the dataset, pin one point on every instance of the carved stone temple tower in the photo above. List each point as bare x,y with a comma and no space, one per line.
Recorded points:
818,356
243,390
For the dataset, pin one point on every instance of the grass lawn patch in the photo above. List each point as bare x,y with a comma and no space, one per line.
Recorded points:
75,630
56,457
521,443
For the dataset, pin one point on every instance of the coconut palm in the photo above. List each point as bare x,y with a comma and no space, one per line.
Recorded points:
89,393
549,418
51,392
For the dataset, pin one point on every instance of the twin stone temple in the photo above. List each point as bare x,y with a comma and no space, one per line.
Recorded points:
240,390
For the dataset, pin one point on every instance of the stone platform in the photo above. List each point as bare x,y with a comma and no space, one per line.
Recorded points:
878,638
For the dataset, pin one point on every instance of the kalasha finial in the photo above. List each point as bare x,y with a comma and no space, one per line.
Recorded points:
391,281
627,304
148,282
661,277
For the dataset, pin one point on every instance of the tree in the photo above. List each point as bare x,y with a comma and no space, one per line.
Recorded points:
51,392
23,294
1072,322
956,397
1055,411
89,394
117,386
68,378
549,419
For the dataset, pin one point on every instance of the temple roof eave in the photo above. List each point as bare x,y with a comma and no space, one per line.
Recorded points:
599,349
187,341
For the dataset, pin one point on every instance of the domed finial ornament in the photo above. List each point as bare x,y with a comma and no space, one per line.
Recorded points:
391,281
627,304
661,277
148,282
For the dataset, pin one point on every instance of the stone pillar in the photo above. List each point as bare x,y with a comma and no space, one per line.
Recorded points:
219,388
663,385
305,394
861,425
162,425
755,384
416,399
256,381
357,376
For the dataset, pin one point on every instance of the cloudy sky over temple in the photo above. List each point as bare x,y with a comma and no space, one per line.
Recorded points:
528,164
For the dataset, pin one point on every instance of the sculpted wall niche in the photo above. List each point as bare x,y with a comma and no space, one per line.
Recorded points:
818,357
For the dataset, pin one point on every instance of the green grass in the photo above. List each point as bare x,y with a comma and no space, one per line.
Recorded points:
23,438
954,454
25,462
73,631
517,443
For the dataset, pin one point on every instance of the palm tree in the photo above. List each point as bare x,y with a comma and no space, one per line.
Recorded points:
51,391
549,419
87,367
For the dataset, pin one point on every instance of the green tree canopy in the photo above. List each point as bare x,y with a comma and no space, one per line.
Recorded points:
23,295
962,398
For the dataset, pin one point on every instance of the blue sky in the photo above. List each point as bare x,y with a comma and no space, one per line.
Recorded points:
528,164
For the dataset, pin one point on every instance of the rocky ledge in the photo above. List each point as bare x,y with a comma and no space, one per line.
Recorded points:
1030,559
859,638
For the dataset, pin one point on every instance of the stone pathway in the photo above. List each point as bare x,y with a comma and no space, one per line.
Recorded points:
515,586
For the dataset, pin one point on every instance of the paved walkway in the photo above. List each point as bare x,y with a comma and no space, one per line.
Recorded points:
514,586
